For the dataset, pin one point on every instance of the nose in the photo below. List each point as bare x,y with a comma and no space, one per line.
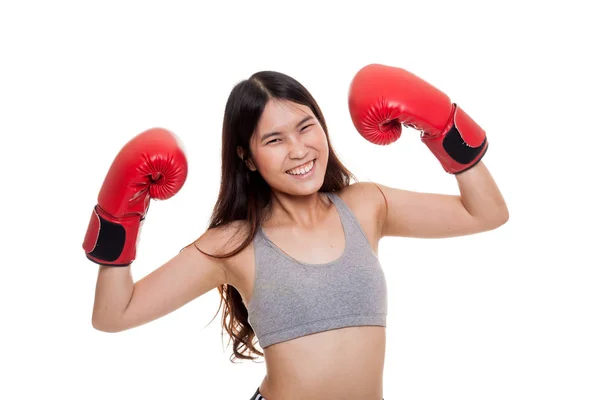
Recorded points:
297,148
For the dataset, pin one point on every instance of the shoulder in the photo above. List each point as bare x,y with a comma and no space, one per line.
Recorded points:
364,196
222,240
366,201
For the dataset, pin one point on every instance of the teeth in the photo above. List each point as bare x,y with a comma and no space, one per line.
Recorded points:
302,170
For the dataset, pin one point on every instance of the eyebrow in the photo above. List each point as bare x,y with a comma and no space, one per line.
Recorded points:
268,135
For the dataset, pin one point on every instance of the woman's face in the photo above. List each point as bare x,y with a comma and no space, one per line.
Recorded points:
289,148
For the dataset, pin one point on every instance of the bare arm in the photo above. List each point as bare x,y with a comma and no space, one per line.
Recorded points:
479,207
114,288
481,197
120,304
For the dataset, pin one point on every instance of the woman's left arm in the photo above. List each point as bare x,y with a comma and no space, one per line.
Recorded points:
384,98
481,197
479,207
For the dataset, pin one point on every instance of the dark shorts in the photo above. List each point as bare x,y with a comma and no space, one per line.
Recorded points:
258,396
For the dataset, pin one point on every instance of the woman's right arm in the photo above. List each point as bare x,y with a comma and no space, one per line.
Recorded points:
121,304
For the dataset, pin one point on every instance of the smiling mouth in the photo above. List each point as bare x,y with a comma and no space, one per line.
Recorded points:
303,169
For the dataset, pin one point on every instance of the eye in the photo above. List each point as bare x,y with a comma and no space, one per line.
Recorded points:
271,141
306,126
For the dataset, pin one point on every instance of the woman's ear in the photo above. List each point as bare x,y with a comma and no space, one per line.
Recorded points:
242,155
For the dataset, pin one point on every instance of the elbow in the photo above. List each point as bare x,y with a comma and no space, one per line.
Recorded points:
503,216
99,326
498,219
492,220
105,326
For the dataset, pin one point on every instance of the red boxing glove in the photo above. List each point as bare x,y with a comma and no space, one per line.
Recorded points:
382,99
152,165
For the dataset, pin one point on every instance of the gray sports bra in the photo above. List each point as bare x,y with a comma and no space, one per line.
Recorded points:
292,299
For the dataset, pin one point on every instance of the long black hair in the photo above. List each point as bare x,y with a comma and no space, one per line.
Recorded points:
244,195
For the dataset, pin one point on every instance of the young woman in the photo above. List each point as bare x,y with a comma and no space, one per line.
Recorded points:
292,242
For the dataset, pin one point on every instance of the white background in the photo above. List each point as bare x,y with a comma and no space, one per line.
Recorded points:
508,314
